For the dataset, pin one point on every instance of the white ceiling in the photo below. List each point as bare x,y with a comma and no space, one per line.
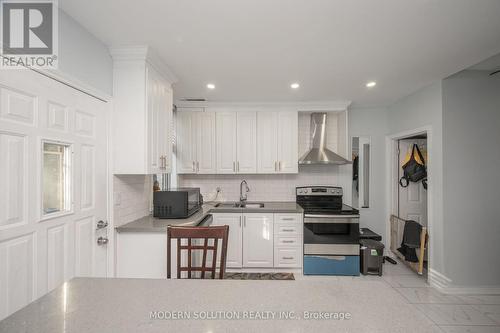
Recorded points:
252,50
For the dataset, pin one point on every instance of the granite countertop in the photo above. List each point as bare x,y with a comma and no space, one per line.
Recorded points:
152,224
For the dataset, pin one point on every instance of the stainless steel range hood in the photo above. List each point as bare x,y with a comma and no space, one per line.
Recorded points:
319,154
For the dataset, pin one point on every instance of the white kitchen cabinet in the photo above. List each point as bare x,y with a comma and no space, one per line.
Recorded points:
235,242
246,161
277,142
288,142
226,142
288,240
196,145
236,142
142,116
258,240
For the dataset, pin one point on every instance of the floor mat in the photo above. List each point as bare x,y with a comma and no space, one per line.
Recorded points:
259,276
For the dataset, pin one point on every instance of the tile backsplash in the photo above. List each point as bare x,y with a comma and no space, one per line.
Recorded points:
132,195
276,187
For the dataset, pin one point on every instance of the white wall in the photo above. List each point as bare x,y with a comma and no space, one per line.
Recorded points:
82,56
471,141
424,109
373,123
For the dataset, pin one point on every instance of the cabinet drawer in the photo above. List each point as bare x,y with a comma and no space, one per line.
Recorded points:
288,218
287,240
285,228
287,257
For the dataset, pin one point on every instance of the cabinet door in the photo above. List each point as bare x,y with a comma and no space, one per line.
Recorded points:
246,161
205,147
164,126
154,116
226,142
186,142
234,246
258,240
267,142
288,141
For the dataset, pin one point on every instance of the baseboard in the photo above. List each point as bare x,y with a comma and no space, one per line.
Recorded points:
446,286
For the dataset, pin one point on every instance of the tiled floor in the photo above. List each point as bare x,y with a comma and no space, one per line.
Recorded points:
450,313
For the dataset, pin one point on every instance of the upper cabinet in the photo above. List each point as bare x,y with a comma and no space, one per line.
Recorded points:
277,142
246,142
195,147
236,142
142,116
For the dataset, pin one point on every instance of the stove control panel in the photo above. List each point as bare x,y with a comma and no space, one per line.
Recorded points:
319,190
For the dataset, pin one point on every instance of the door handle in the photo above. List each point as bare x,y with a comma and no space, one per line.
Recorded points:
102,241
101,225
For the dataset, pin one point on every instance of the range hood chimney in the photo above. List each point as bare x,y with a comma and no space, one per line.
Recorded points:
319,154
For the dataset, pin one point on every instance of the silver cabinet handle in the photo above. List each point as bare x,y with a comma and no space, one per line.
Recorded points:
102,241
279,166
101,225
288,258
275,166
288,241
240,221
288,230
244,221
287,218
234,166
194,169
197,166
238,166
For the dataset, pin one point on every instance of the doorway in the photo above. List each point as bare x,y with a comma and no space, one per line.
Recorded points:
409,201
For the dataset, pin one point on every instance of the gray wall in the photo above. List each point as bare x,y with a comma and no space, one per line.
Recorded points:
471,139
373,123
82,56
424,109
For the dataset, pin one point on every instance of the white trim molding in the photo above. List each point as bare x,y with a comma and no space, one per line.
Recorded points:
445,285
311,106
143,53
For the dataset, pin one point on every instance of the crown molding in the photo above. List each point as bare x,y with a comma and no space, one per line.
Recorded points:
143,53
298,106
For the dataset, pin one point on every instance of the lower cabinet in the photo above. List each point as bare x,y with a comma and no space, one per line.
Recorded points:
262,240
234,246
258,240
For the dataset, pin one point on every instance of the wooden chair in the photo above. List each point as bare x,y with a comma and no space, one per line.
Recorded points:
202,233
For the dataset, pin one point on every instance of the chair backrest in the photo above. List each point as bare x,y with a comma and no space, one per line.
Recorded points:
205,234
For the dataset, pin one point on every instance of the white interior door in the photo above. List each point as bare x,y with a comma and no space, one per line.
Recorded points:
53,180
412,200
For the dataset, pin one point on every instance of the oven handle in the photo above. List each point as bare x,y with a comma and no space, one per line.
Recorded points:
350,219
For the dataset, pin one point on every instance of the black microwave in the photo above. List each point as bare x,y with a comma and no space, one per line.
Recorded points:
176,203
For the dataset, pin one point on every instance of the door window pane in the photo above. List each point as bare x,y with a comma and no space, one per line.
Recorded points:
56,178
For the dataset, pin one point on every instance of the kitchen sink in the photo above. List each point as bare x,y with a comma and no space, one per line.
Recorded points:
252,205
249,205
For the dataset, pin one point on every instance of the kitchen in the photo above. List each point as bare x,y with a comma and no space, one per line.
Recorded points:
154,143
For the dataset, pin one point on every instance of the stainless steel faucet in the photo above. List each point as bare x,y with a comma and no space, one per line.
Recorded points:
243,197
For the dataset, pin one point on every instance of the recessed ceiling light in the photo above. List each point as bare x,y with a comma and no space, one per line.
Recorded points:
371,84
295,85
211,86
